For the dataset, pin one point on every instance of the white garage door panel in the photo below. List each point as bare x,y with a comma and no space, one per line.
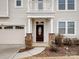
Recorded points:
11,36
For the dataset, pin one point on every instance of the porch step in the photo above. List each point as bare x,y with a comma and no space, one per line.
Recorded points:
41,44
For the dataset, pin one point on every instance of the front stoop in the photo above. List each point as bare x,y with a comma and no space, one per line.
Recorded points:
39,44
29,40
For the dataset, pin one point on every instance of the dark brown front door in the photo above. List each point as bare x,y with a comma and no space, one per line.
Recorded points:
39,33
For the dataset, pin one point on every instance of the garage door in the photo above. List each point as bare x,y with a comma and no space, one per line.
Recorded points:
11,34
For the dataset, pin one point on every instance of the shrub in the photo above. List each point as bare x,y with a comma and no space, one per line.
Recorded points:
75,41
53,46
58,40
68,41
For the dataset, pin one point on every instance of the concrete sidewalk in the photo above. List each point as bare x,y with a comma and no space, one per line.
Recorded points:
29,53
8,50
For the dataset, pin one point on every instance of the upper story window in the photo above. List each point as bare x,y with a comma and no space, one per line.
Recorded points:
19,3
61,4
40,4
70,4
66,4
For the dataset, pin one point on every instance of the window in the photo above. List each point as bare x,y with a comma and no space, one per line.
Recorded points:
61,4
70,4
62,27
40,4
19,3
66,4
66,27
71,27
19,27
8,27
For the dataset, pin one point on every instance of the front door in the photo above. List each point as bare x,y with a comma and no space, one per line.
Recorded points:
39,33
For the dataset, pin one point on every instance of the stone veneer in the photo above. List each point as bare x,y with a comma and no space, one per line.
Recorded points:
51,36
28,43
28,40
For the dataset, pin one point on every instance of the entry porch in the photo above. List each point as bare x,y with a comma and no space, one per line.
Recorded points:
39,30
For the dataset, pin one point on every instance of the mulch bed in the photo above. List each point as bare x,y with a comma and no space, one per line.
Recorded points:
62,51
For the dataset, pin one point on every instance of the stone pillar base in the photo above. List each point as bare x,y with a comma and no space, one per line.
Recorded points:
28,43
51,36
28,40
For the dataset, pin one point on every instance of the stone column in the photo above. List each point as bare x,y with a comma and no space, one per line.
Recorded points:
51,34
52,37
28,38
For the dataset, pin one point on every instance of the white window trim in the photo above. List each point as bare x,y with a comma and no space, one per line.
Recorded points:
75,1
66,21
19,6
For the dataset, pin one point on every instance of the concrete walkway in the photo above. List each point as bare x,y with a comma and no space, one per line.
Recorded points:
31,52
8,50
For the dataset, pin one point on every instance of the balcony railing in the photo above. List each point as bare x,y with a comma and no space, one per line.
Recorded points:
37,10
47,6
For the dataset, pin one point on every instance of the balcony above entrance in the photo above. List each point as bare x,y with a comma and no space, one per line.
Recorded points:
40,8
36,5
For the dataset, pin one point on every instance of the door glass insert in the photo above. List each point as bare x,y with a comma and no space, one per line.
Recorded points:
39,31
